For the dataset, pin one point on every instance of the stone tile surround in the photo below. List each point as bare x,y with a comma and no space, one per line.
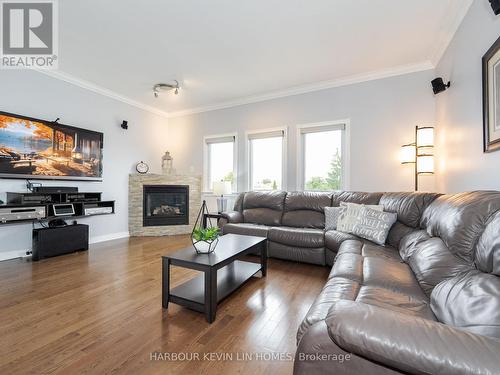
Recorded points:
135,203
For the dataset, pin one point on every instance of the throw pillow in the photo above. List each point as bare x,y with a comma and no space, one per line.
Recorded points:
373,225
348,214
332,217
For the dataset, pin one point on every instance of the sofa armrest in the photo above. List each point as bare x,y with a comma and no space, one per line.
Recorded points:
410,344
233,216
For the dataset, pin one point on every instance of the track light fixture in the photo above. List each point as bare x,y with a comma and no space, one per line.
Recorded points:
166,87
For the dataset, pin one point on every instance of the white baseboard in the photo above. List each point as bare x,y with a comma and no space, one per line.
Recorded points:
109,237
8,255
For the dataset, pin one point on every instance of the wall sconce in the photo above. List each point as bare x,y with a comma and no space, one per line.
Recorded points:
420,153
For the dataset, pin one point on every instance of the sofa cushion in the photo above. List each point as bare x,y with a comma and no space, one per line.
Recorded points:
334,238
349,213
368,249
334,290
305,209
397,233
460,219
432,262
331,217
488,247
373,225
313,255
408,304
246,229
355,197
300,237
374,279
471,301
408,206
263,207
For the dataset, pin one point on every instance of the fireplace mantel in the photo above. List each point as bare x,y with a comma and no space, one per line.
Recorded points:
136,200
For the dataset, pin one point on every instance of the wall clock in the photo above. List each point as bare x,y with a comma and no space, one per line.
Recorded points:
142,168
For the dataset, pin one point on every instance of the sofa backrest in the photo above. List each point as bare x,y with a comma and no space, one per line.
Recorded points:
306,209
355,197
263,207
409,207
456,259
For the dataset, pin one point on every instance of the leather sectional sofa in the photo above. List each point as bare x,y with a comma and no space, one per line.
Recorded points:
426,303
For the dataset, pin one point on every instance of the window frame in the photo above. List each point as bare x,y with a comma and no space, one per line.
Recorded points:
302,130
254,134
206,160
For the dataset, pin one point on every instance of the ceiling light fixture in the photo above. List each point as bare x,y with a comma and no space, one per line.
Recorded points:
166,87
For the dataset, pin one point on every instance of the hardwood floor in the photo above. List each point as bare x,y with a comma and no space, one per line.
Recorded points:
100,312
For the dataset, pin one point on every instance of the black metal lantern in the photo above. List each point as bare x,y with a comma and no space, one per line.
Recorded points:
201,243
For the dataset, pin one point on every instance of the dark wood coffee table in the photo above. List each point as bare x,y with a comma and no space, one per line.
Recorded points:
223,273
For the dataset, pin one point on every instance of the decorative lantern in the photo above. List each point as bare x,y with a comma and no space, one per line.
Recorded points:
167,163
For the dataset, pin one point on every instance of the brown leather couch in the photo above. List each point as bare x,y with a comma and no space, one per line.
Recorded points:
426,303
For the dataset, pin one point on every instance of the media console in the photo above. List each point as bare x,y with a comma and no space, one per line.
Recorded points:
54,206
22,207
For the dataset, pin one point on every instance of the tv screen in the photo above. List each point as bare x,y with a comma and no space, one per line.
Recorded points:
33,148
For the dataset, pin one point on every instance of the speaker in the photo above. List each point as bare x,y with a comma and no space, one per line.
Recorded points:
51,242
438,85
495,5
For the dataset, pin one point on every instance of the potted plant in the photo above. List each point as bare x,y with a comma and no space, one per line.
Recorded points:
204,239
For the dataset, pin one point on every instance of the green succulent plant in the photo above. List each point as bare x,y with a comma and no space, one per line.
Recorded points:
208,234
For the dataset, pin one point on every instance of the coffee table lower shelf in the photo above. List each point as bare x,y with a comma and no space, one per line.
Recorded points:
191,294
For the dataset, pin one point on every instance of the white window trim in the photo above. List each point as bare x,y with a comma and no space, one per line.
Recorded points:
346,158
206,189
248,135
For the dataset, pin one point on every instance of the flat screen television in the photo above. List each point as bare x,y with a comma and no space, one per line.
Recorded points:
32,148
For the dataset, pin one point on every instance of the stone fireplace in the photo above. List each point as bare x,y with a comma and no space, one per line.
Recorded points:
162,205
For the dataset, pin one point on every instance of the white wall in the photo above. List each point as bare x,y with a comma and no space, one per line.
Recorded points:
463,165
36,95
382,113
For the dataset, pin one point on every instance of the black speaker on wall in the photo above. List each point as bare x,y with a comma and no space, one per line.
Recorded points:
495,4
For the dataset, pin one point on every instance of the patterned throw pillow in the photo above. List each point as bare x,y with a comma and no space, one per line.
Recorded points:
374,225
349,213
331,217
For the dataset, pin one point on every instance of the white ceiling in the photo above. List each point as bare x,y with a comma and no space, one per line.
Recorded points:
226,52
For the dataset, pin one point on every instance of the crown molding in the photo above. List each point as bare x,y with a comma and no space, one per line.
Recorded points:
101,90
457,10
296,90
308,88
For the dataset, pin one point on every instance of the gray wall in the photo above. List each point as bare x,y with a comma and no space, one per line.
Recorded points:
462,163
37,95
382,116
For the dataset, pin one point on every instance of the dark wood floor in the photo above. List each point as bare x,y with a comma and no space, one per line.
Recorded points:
100,312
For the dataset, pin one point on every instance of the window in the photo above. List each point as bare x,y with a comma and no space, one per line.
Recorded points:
220,160
322,149
266,160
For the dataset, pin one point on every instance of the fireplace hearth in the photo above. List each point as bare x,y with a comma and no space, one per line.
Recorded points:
165,205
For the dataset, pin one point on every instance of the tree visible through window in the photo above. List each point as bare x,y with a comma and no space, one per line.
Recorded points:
322,158
220,160
266,161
